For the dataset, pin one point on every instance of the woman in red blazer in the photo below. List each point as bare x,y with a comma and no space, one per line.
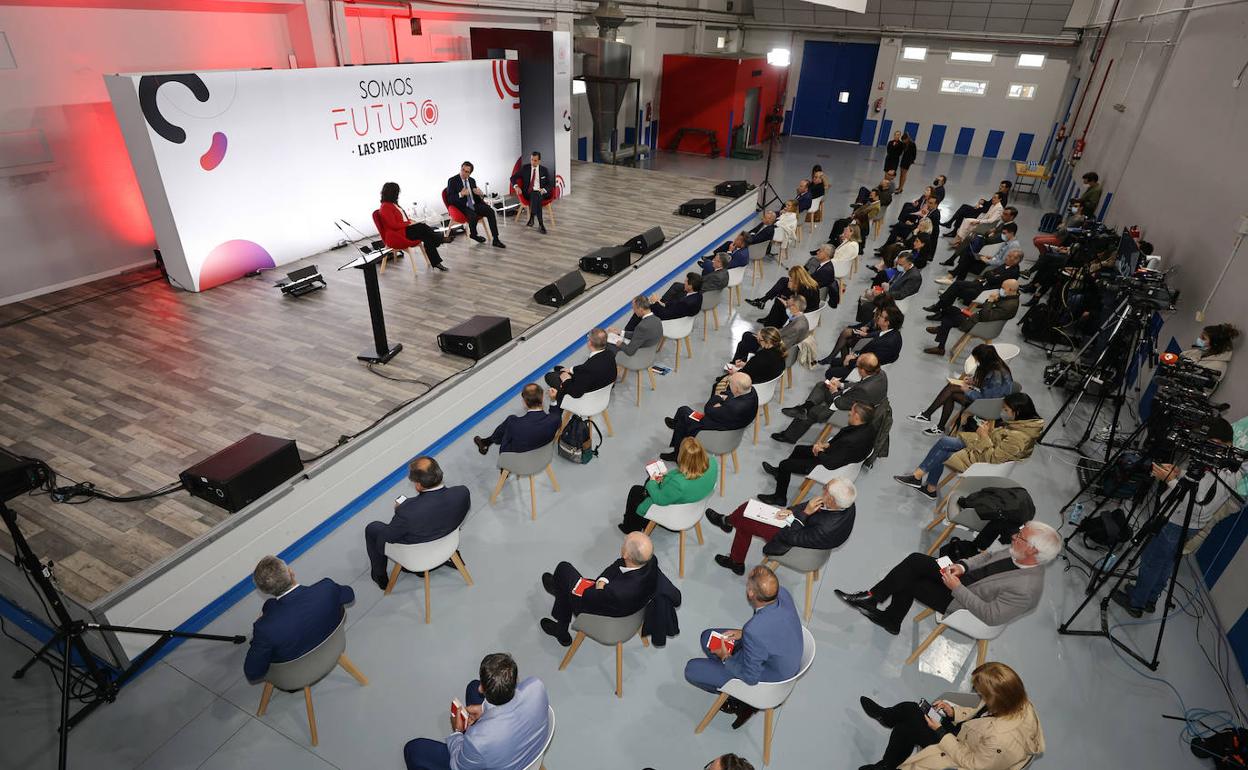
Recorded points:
399,232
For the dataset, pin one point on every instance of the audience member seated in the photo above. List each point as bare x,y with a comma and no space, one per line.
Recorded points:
1091,197
818,181
992,379
795,329
731,410
786,224
803,196
977,263
768,648
836,395
624,587
463,194
726,762
884,189
917,246
717,278
295,621
884,343
824,522
853,333
643,330
764,365
901,280
522,433
967,290
594,373
865,212
799,283
681,300
435,512
1212,348
983,221
967,210
938,188
400,232
850,246
977,243
1002,732
504,725
908,208
691,481
738,254
996,586
1002,305
1010,438
851,444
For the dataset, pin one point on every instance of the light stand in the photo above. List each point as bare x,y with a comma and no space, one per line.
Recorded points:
101,685
767,194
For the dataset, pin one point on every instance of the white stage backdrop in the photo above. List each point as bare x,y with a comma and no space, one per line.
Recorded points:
246,170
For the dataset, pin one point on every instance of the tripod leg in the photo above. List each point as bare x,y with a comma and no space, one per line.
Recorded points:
55,638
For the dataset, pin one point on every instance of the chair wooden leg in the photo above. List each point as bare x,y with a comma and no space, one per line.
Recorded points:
790,373
650,528
706,720
721,476
766,416
982,656
755,430
697,527
532,499
264,699
461,567
350,668
735,467
938,518
957,349
810,586
705,323
307,699
607,419
924,615
940,540
427,607
937,631
780,396
498,488
394,578
769,722
639,387
682,553
576,645
814,572
550,472
619,669
620,372
677,367
715,317
650,372
803,490
824,434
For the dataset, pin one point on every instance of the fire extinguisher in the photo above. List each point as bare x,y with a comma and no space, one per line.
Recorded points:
878,105
1061,132
1077,151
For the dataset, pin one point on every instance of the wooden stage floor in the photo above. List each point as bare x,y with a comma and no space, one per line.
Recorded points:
139,381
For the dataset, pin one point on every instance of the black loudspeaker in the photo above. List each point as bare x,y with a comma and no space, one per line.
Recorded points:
477,337
608,260
242,472
561,291
733,188
647,241
700,208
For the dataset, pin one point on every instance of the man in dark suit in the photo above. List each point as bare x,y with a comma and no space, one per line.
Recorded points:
531,430
537,185
738,252
849,445
681,300
434,513
907,281
295,620
643,330
733,409
1002,307
621,589
803,197
967,290
463,194
972,246
824,522
884,342
836,397
938,190
594,373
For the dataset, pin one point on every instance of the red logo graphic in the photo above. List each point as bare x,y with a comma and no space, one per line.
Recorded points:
429,112
560,186
507,80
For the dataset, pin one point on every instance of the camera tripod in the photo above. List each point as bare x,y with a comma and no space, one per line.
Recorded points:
1184,492
767,194
99,683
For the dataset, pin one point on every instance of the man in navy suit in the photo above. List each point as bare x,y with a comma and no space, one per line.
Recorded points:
738,254
434,513
884,342
681,300
531,430
731,410
767,649
462,193
804,198
621,589
594,373
538,187
295,620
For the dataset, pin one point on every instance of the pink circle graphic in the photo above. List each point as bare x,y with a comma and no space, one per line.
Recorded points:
429,112
232,259
215,154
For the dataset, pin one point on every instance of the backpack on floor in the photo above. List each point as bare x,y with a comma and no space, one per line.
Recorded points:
576,441
1106,530
1050,222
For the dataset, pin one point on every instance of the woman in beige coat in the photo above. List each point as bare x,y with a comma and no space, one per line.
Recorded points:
1001,733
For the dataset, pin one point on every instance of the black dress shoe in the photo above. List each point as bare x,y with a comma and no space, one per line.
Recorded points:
933,316
719,520
477,238
529,223
441,267
744,712
668,456
783,438
542,229
859,599
730,706
1032,302
669,422
877,617
772,500
935,350
932,308
559,632
1121,598
548,582
796,412
728,563
873,709
932,329
483,446
381,582
498,244
757,303
947,263
770,469
1028,289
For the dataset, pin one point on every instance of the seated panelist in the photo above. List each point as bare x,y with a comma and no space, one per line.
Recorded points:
400,232
463,194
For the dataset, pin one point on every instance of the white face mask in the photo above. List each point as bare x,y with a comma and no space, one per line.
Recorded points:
1200,343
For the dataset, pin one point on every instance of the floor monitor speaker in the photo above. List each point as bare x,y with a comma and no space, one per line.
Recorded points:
733,188
242,472
701,208
646,242
561,291
608,260
477,337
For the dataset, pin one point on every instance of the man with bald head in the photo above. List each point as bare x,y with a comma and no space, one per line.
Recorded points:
621,589
768,648
968,290
733,409
999,305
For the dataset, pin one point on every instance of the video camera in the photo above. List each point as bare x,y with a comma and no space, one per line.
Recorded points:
1178,373
1203,451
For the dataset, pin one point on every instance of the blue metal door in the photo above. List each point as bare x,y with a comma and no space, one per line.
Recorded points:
834,89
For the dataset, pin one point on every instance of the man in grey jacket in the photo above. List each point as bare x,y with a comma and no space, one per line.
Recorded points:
835,398
643,330
996,586
796,329
717,279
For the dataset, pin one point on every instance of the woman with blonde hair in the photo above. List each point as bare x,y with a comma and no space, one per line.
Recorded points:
786,227
798,284
1002,732
691,481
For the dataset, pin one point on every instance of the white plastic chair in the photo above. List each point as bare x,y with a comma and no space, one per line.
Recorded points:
539,763
422,557
678,518
757,252
956,516
723,444
1005,350
964,622
613,632
766,392
842,269
765,696
821,476
528,464
710,305
588,406
638,362
679,329
736,277
812,317
984,330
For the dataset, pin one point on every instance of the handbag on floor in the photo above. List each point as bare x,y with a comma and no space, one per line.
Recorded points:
576,441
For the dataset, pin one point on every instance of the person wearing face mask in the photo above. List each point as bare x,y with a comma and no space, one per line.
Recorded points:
995,586
1212,348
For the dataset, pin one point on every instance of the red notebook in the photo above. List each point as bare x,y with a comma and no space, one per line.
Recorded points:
582,586
457,709
718,641
695,416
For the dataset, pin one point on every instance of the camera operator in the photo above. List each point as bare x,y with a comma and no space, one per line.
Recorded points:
1212,348
1089,246
1157,558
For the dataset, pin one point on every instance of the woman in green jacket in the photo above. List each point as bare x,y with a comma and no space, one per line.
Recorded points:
691,481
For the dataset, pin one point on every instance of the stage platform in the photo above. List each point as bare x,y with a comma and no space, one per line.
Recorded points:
138,381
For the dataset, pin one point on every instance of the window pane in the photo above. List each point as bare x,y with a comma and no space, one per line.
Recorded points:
979,57
975,87
1021,91
1035,60
907,83
914,53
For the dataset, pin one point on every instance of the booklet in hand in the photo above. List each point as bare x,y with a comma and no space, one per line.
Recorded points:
656,469
719,641
696,416
582,585
457,709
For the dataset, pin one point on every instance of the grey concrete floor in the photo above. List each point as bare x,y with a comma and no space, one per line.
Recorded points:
195,710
